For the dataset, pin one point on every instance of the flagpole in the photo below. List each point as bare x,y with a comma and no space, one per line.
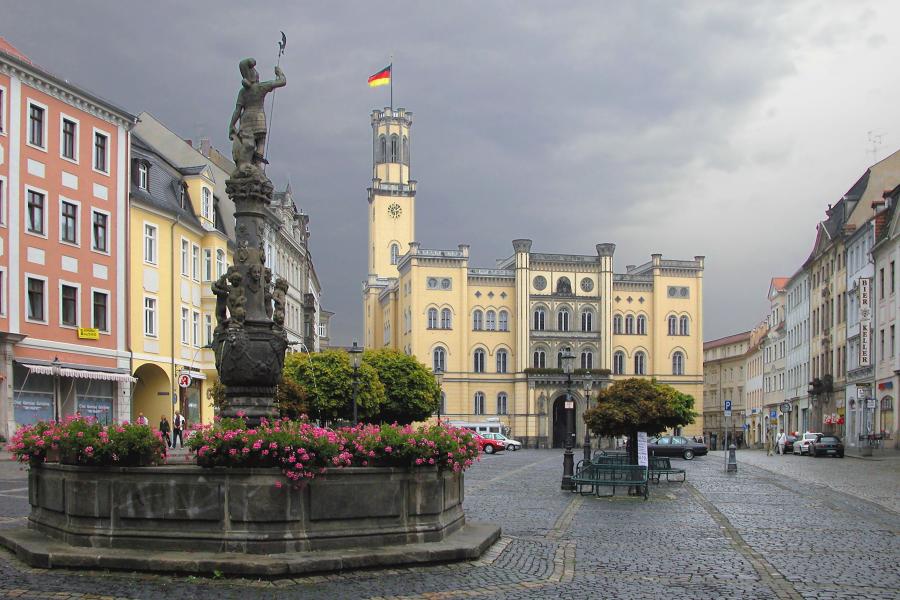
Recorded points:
392,84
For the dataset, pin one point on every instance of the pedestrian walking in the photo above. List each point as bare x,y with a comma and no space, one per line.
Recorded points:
164,430
177,426
782,440
142,420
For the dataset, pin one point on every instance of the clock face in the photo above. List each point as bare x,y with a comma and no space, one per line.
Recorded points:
394,210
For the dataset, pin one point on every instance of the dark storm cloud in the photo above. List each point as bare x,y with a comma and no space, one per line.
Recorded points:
571,123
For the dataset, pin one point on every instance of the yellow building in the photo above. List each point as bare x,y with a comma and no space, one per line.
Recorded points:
179,244
498,333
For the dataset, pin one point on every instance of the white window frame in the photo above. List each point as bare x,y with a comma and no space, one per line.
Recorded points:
93,150
4,284
221,265
29,103
207,264
46,222
155,312
206,203
185,257
196,331
504,408
77,204
195,262
62,118
3,197
46,320
479,403
3,97
108,226
108,311
208,326
143,175
185,326
153,260
78,305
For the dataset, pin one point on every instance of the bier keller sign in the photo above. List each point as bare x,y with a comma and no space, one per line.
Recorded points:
865,321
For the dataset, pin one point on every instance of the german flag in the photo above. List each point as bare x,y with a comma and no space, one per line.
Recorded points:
382,77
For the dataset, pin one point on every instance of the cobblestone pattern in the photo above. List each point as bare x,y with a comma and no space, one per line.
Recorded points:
753,534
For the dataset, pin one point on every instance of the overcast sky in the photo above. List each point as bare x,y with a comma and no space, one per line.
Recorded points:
685,128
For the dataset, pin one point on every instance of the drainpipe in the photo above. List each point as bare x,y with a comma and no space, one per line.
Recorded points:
173,390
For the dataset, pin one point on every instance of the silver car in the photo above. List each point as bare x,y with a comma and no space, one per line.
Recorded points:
801,446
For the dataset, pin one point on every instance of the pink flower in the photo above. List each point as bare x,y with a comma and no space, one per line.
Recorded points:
278,484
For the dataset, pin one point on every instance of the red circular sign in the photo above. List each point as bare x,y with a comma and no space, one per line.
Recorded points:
184,380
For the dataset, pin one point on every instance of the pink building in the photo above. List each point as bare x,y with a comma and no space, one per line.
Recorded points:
63,268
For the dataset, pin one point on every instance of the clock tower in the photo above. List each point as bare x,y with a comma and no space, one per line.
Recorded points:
393,194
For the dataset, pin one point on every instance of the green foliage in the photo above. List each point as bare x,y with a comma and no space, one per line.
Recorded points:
292,399
635,404
411,393
328,380
216,394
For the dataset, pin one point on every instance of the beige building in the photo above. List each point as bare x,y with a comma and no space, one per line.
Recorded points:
498,333
754,367
886,255
724,378
774,347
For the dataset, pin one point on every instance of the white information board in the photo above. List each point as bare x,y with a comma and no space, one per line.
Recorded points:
642,448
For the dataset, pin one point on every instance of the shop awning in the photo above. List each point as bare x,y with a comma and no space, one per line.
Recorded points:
80,373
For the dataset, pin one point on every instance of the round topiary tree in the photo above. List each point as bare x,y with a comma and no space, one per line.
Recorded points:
411,393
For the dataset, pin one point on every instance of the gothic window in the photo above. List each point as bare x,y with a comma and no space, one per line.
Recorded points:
540,359
395,254
684,327
629,324
539,319
673,325
562,319
587,321
678,363
491,320
438,361
382,149
617,324
432,318
479,403
640,363
502,356
501,403
478,366
641,325
477,320
504,321
619,363
405,150
395,149
587,360
563,286
446,319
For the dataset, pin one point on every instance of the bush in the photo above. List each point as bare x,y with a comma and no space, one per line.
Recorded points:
411,393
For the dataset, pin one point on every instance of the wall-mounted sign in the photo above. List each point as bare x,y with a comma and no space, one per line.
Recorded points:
88,333
865,321
184,380
642,448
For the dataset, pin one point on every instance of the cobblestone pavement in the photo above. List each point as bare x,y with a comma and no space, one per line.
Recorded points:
875,480
753,534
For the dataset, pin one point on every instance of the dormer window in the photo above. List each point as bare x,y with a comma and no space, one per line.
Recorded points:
183,197
207,204
143,176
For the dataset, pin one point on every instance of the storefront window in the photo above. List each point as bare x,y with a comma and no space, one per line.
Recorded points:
190,402
32,396
95,399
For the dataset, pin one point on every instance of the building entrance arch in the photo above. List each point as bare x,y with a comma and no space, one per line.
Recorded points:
152,394
559,422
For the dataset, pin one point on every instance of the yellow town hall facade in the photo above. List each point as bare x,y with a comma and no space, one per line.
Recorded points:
498,333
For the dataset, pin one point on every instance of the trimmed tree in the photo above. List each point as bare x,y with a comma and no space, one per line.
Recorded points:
411,393
632,405
327,378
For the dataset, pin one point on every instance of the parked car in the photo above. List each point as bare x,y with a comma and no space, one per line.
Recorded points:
510,443
488,446
676,445
789,443
801,446
827,445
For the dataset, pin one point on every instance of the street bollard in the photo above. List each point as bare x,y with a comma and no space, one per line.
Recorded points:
731,462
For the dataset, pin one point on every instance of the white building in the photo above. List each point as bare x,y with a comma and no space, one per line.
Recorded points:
797,349
773,350
859,266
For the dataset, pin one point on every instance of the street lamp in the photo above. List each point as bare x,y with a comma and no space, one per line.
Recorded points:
56,369
588,385
568,360
439,380
355,361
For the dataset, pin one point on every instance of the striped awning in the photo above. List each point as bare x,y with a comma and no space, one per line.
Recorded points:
79,373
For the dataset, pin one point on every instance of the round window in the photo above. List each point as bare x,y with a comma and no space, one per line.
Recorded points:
587,284
540,283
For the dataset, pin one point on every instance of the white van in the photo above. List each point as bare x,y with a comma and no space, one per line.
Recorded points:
482,427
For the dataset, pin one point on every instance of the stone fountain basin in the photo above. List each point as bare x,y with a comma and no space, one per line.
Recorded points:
238,521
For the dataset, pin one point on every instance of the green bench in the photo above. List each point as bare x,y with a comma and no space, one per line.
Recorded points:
662,465
589,475
610,459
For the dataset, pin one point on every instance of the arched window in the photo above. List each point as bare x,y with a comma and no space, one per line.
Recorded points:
446,319
540,359
619,363
539,315
629,324
478,365
395,149
678,363
587,321
395,254
673,325
504,321
640,363
587,360
491,320
563,286
684,326
502,356
382,148
438,359
405,150
220,262
562,319
501,403
477,320
479,403
432,318
617,324
641,325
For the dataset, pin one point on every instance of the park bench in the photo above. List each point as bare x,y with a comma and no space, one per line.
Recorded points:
589,475
610,459
662,465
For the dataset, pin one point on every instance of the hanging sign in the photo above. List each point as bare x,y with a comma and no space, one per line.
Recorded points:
184,380
865,321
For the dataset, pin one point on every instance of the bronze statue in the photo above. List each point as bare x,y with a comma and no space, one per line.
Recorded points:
280,298
220,289
249,145
237,298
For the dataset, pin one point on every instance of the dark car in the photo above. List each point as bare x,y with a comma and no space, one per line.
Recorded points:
827,445
789,443
676,445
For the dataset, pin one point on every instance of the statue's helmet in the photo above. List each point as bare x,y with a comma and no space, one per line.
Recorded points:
248,69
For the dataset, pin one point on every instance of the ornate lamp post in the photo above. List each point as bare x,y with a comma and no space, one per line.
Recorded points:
588,386
355,361
439,379
568,361
56,369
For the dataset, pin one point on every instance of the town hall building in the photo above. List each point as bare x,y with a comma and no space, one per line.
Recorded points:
498,334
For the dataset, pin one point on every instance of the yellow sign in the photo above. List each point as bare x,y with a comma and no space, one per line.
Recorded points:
87,333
